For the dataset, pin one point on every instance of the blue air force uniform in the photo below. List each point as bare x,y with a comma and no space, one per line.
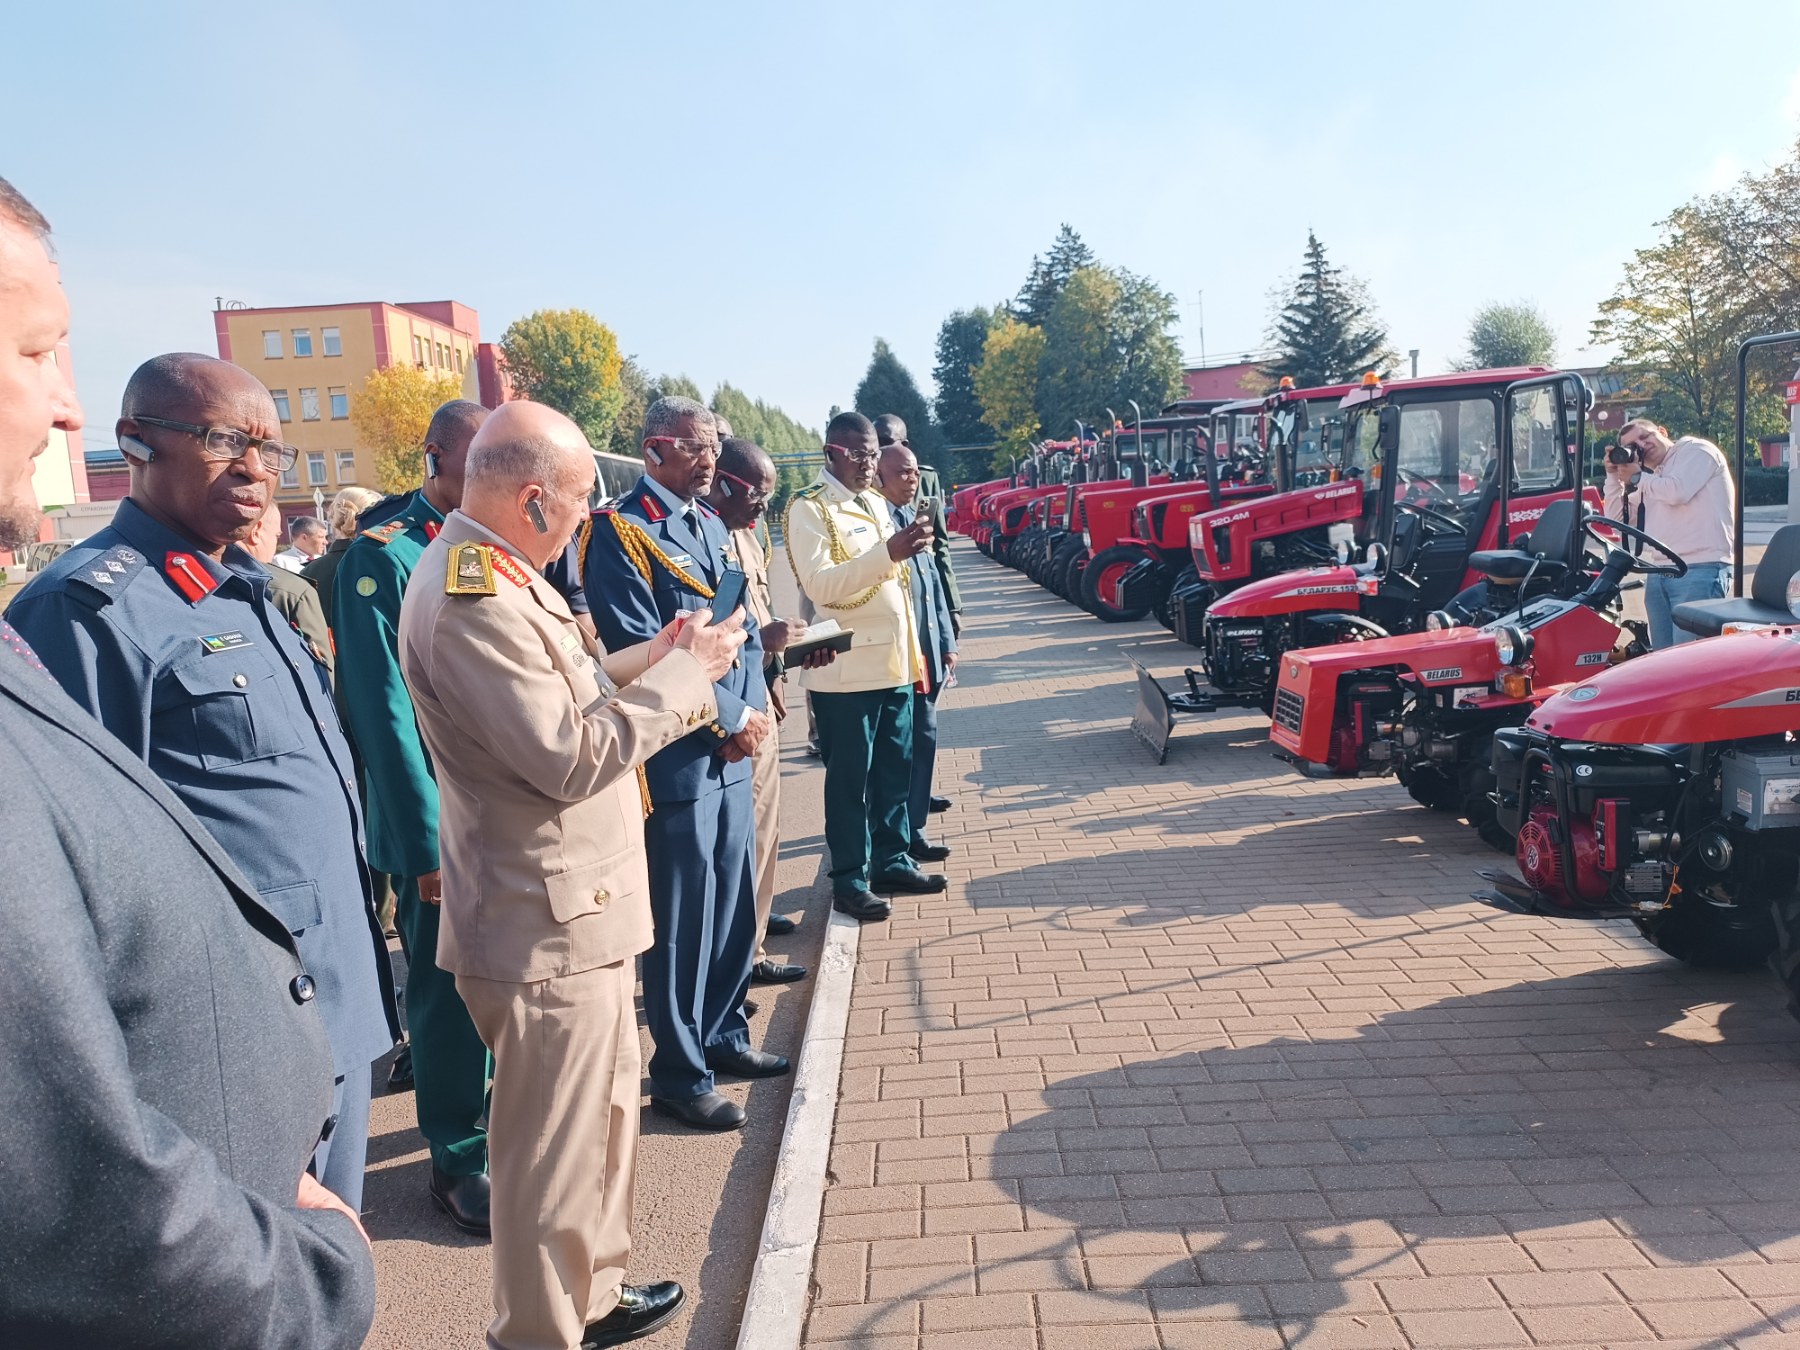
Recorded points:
937,639
188,663
639,561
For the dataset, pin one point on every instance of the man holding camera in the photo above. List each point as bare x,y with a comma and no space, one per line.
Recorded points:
1685,495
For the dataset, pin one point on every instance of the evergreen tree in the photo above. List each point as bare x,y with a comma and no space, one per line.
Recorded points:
887,387
628,426
1327,331
1068,255
959,344
793,447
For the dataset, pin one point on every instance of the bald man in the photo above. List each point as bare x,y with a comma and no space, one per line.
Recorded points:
538,739
289,592
162,626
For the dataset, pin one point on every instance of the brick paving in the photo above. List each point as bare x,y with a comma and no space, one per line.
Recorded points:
1211,1055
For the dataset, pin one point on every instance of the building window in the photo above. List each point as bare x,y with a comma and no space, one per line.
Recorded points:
346,466
333,341
459,361
309,405
303,342
315,468
281,405
272,344
340,404
290,476
418,350
443,355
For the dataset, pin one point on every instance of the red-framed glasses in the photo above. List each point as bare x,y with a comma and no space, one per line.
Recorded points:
753,495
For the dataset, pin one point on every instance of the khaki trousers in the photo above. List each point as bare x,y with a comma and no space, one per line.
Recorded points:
562,1148
765,790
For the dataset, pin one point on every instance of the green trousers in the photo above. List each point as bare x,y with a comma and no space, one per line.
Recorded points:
451,1067
867,742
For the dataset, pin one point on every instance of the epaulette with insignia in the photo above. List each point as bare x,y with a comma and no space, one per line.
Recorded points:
104,575
386,534
473,567
810,490
654,510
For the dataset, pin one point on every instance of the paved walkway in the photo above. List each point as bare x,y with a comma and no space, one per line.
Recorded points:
1210,1055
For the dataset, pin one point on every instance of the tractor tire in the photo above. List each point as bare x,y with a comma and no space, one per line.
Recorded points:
1068,575
1787,947
1476,807
1720,939
1165,607
1431,789
1107,567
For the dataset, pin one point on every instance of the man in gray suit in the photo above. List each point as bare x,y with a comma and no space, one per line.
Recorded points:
166,1070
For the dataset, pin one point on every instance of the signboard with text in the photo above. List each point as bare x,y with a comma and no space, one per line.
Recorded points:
1793,391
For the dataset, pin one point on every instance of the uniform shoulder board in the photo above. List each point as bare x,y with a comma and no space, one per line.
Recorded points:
706,508
810,491
100,578
471,571
386,534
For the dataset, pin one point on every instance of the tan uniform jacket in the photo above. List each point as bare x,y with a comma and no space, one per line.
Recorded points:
758,599
837,545
541,819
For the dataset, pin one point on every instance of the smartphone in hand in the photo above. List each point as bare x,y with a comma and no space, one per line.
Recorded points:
733,586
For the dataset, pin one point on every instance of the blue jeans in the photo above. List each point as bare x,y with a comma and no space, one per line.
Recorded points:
1704,581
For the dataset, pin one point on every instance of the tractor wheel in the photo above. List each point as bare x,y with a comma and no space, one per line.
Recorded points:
1477,807
1068,575
1165,607
1107,567
1431,788
1707,935
1787,946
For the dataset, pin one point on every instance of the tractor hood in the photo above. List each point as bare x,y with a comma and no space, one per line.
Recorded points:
1315,588
1727,688
1223,540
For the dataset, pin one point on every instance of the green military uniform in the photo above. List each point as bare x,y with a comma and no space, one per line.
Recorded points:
450,1063
931,488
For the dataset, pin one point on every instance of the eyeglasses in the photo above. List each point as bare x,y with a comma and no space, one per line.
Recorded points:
860,456
753,495
687,445
229,443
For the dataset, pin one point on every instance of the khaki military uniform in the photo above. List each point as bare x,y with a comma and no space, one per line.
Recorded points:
765,764
536,747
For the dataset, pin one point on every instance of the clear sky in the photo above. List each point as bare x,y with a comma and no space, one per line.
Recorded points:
754,192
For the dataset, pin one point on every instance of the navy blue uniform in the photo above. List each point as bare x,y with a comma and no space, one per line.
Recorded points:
698,836
937,639
188,663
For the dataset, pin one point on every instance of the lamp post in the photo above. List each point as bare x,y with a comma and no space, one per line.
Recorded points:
1414,354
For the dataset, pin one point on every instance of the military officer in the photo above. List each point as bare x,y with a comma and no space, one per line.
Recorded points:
536,736
289,592
161,626
890,430
855,566
450,1064
899,475
660,551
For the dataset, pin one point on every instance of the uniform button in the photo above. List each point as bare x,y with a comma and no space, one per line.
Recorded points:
241,681
303,989
600,899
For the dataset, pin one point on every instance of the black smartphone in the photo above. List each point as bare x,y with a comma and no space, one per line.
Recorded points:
729,595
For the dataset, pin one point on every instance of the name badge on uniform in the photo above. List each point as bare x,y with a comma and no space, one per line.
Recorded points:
682,561
571,648
224,642
860,529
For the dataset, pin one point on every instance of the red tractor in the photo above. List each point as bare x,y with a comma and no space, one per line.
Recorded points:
1667,791
960,515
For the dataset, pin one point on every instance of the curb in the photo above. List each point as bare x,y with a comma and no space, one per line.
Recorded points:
775,1308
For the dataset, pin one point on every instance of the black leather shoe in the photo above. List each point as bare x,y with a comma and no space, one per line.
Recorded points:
924,850
751,1007
400,1072
748,1063
464,1199
643,1308
910,880
776,972
708,1111
863,905
779,925
815,750
939,804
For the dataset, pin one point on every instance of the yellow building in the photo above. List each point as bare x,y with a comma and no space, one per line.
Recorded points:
314,359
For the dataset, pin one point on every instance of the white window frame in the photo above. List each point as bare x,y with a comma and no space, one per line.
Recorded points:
331,341
346,466
315,468
279,351
309,405
283,409
333,394
302,337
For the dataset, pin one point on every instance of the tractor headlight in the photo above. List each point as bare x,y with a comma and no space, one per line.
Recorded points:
1793,595
1438,620
1511,645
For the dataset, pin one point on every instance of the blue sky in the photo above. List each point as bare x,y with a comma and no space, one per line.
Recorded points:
756,192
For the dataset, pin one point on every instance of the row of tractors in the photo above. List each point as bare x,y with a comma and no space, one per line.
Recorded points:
1414,579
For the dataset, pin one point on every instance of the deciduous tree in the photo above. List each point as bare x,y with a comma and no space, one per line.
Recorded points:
1509,335
1326,331
959,343
1107,343
887,387
1006,383
568,359
390,414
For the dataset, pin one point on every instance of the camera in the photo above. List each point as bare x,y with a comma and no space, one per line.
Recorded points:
1620,454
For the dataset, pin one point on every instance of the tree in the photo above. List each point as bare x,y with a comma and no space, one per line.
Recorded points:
1048,275
887,387
1509,335
1006,383
390,414
959,343
794,448
1326,331
1107,343
568,359
674,386
628,422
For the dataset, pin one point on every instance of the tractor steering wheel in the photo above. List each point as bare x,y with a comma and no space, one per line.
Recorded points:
1450,523
1431,485
1592,525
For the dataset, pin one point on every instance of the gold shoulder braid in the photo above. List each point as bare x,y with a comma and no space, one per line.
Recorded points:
768,543
644,791
837,550
641,548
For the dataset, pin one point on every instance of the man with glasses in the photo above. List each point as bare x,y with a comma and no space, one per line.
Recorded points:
853,562
659,553
161,626
1685,494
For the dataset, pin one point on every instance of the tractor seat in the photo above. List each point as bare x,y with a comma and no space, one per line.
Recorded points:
1551,559
1767,601
1511,564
